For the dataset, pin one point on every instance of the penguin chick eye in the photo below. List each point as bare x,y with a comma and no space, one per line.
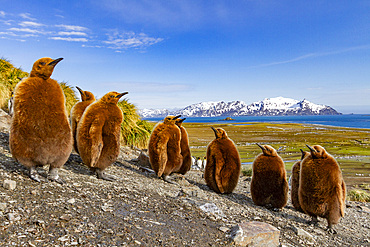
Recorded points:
42,63
112,96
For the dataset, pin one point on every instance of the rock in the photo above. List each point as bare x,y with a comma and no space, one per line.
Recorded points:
144,160
223,229
66,217
303,233
2,206
255,233
71,201
212,209
9,184
13,217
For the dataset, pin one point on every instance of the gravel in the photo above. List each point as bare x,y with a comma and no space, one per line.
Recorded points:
140,210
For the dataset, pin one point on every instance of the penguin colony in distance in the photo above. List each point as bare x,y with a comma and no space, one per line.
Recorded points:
165,148
269,185
223,163
98,134
185,150
322,189
77,110
40,133
295,182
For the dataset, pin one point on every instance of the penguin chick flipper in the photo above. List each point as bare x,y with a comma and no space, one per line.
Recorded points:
54,176
218,176
101,175
96,135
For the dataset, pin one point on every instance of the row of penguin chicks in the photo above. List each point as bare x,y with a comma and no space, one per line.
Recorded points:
317,186
321,189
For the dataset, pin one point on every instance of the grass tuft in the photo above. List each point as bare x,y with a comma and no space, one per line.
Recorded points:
134,131
358,195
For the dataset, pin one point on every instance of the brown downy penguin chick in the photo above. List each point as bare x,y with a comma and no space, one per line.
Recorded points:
223,163
295,181
322,189
40,133
98,134
164,148
185,150
269,185
77,110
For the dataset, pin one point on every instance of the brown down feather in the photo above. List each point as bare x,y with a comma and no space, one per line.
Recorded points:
185,150
269,185
223,166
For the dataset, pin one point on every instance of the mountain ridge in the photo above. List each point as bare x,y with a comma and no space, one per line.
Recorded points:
278,106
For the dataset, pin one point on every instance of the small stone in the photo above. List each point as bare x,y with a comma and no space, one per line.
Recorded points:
11,216
2,206
255,233
212,209
9,184
71,201
66,217
137,242
63,239
33,192
223,229
303,233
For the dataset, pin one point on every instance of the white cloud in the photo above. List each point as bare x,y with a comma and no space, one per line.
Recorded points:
127,40
314,55
30,23
26,30
27,16
69,39
2,13
72,27
72,33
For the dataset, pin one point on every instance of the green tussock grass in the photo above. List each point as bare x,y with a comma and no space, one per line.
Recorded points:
134,131
358,195
247,172
70,94
8,80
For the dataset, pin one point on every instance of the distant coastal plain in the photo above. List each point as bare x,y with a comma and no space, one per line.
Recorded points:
350,146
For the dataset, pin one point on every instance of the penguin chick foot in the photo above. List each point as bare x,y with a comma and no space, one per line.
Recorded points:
276,209
54,176
168,180
314,221
101,175
35,176
331,230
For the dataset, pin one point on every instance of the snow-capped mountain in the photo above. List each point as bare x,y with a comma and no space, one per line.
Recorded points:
278,106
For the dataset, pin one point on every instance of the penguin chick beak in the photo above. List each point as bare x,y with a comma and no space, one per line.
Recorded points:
262,147
55,62
121,94
79,89
214,130
182,120
176,117
311,149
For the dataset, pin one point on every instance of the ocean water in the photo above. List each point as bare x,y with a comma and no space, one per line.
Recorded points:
347,120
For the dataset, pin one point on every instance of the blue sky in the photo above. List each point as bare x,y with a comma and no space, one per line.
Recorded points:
173,53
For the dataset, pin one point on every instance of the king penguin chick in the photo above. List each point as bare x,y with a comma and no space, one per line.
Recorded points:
40,133
185,150
98,134
223,163
77,110
322,190
165,149
295,181
269,185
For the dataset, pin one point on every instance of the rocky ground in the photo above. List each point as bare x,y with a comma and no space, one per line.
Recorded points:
140,210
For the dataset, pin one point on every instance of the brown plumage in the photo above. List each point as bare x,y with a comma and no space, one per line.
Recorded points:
269,185
185,150
40,133
164,148
295,182
98,134
77,110
223,163
322,189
